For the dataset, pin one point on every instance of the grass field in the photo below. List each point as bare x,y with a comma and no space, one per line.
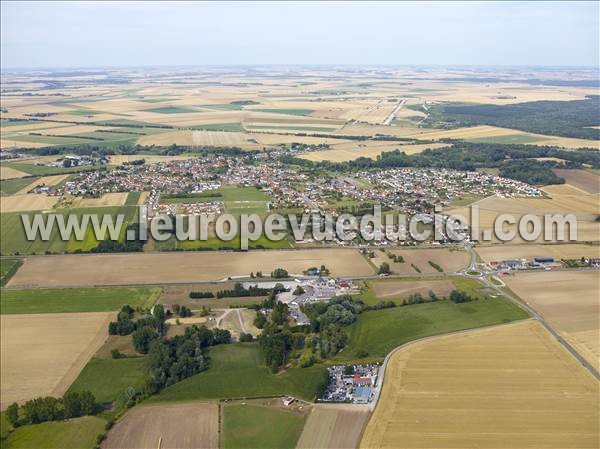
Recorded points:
167,426
171,110
43,170
238,371
108,379
43,354
376,333
258,426
510,386
79,433
75,300
8,267
287,111
231,127
12,186
132,198
14,239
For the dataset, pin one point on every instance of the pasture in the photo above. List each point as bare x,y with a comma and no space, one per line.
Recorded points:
109,379
478,387
568,300
376,333
8,267
168,426
75,433
238,371
76,300
333,427
153,268
42,354
258,424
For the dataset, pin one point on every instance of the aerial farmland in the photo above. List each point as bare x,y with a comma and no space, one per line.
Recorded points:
311,225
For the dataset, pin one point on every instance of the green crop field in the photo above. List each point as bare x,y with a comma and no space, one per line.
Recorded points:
8,267
238,371
12,186
293,128
132,198
224,106
109,379
74,300
288,111
249,426
83,112
14,240
171,110
376,333
231,127
78,433
42,170
511,138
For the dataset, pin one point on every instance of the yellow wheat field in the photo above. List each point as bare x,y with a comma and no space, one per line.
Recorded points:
511,386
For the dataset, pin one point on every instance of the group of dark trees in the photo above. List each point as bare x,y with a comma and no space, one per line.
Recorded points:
181,311
125,246
556,118
279,273
172,360
42,409
145,326
239,291
469,156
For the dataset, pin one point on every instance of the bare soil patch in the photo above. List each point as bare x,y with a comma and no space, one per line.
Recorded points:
167,426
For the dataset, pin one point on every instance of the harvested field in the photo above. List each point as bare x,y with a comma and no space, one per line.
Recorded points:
11,173
28,202
585,207
497,253
115,269
168,426
568,300
583,179
400,289
350,151
333,427
108,199
511,386
449,260
43,354
180,294
200,138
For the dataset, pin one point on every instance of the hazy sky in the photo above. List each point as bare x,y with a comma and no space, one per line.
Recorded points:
90,34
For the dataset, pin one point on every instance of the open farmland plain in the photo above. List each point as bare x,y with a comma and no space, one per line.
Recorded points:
511,386
181,425
568,300
43,354
116,269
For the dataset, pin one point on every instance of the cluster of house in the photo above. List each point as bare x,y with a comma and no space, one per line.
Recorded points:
351,383
76,161
410,189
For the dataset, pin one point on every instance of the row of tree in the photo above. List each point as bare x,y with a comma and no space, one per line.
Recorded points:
42,409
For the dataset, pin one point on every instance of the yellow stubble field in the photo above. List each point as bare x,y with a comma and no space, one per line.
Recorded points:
569,301
42,354
511,386
144,268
